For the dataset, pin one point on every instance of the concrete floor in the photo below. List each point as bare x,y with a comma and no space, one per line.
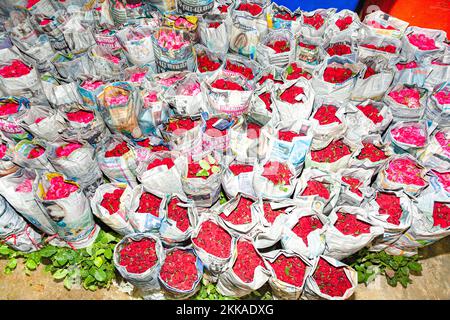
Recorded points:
434,283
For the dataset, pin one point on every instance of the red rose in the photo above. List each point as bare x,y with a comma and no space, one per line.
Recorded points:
326,114
138,256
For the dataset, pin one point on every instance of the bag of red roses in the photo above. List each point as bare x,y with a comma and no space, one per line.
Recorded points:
375,45
274,180
15,231
117,160
238,177
181,273
227,92
67,208
42,122
336,77
138,258
402,172
304,231
262,103
17,188
247,271
420,42
272,217
308,50
355,185
246,29
111,203
106,63
342,44
438,105
161,172
76,160
213,244
430,222
436,153
6,156
32,155
19,79
275,48
440,70
327,121
84,124
384,24
345,21
208,61
13,109
371,153
238,215
412,73
375,78
280,17
201,178
246,139
331,158
214,32
406,102
144,209
318,185
290,141
216,134
185,96
348,231
119,103
394,212
288,273
183,134
180,217
294,100
408,136
314,23
330,279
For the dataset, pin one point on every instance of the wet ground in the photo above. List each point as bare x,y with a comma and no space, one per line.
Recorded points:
434,283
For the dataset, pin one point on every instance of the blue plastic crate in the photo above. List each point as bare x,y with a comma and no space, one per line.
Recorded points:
310,5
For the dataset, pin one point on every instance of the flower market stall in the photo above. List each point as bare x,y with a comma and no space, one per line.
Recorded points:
179,148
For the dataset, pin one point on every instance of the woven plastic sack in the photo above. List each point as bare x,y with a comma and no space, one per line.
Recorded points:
402,112
15,232
351,197
71,217
227,209
43,122
17,188
22,156
215,38
436,154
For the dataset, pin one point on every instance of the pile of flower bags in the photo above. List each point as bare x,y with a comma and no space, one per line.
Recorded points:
237,142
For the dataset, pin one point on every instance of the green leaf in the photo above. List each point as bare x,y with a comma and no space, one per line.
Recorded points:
12,264
211,159
98,262
204,165
108,253
4,250
61,259
290,69
49,251
30,264
215,169
99,275
60,274
361,277
286,270
415,266
99,252
68,283
404,282
202,173
89,280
